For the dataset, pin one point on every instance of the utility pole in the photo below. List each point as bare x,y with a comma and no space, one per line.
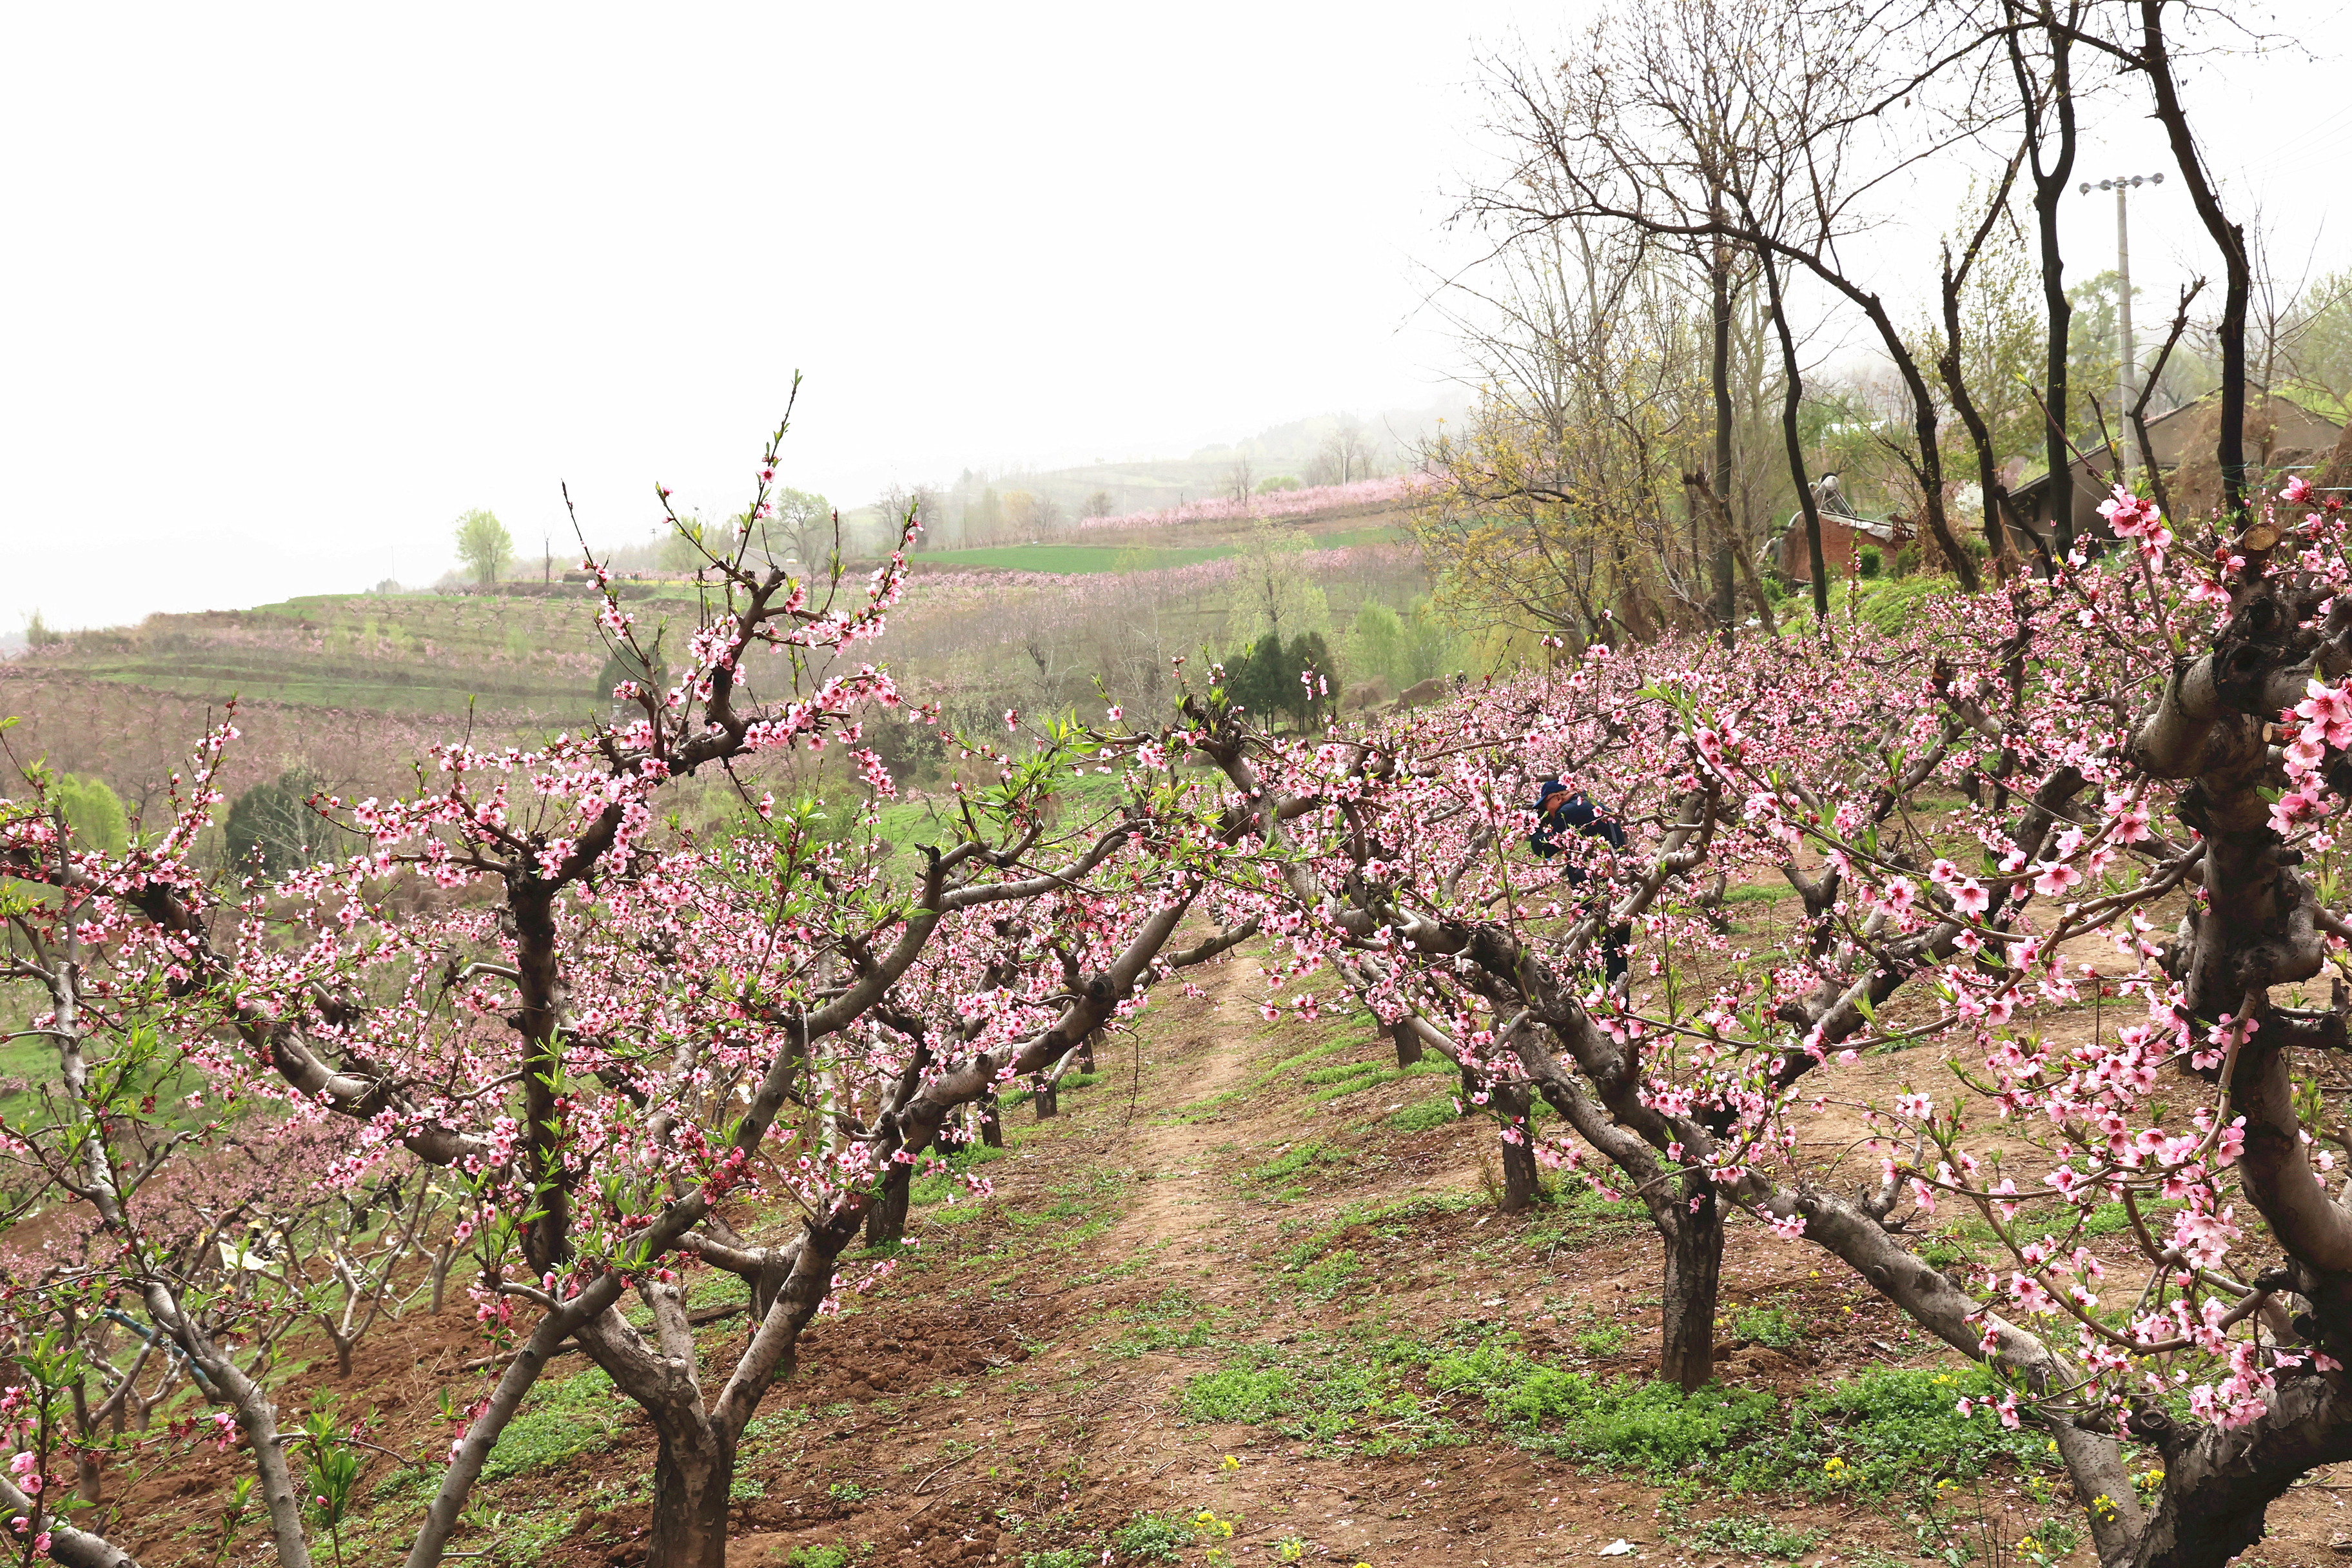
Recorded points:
2127,351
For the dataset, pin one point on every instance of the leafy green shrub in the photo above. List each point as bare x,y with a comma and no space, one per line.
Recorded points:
95,813
1151,1538
819,1557
1059,1557
272,825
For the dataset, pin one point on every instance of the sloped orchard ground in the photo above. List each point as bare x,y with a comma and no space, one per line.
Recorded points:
1248,1301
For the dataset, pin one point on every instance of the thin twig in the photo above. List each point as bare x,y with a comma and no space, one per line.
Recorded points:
952,1464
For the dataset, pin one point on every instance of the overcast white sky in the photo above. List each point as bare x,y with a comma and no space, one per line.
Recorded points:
284,290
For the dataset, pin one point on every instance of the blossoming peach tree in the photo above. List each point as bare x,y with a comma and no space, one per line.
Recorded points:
2174,723
628,1049
1401,856
2154,739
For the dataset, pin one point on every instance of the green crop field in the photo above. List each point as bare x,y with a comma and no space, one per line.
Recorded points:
1082,559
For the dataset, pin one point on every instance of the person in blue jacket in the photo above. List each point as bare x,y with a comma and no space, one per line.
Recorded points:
1561,811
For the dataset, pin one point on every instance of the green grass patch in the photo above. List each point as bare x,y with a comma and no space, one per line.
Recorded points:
1298,1160
1607,1339
764,1431
1424,1115
1743,1534
1773,1327
1376,1075
1327,1276
1387,1220
941,1185
1151,1538
1340,1074
558,1420
1349,1390
1241,1394
719,1289
1170,1321
1959,1240
1576,1215
1758,893
1887,1429
1651,1428
1201,1110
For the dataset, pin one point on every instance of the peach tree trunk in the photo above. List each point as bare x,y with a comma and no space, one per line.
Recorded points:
1694,1280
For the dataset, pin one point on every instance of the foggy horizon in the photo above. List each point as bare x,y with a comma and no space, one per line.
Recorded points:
309,286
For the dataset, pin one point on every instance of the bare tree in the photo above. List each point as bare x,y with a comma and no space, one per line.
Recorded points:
897,504
2040,50
1950,362
1587,350
1241,478
1726,122
800,527
1345,455
2154,58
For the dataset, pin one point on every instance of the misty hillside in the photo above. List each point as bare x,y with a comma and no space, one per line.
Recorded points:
353,688
1327,449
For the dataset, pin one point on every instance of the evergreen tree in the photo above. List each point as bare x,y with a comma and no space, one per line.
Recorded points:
272,829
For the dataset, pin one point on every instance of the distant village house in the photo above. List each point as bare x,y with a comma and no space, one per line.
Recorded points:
2282,438
1843,535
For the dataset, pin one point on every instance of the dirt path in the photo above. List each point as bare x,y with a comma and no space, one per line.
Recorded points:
1186,1200
1153,1124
